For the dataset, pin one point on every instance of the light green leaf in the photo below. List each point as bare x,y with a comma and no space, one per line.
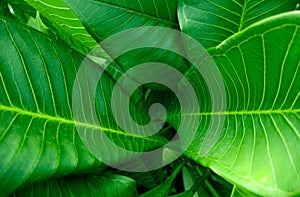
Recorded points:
211,22
82,185
236,192
38,133
39,25
259,141
67,25
62,20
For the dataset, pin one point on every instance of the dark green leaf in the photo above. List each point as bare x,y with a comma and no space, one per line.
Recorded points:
163,189
82,185
105,18
189,181
37,76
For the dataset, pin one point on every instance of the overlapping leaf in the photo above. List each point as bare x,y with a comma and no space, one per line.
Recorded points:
38,135
259,140
67,24
105,18
83,185
17,10
213,21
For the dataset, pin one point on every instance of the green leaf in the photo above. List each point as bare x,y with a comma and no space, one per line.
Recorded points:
184,194
10,11
67,25
211,22
3,9
82,185
163,189
38,24
105,18
259,140
22,5
146,179
236,192
189,181
38,133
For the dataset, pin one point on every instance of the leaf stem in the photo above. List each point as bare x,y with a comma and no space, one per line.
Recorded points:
200,181
211,189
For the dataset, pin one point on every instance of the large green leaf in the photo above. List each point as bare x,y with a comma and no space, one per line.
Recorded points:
241,193
105,18
38,133
82,185
258,147
67,25
62,19
211,22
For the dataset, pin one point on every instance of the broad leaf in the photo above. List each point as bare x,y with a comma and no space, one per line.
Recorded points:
38,133
67,25
106,18
236,192
82,185
258,142
62,19
211,22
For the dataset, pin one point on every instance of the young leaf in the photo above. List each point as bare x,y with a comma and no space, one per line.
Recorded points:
259,141
211,22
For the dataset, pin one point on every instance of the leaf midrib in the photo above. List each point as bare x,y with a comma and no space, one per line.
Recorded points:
245,112
68,121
